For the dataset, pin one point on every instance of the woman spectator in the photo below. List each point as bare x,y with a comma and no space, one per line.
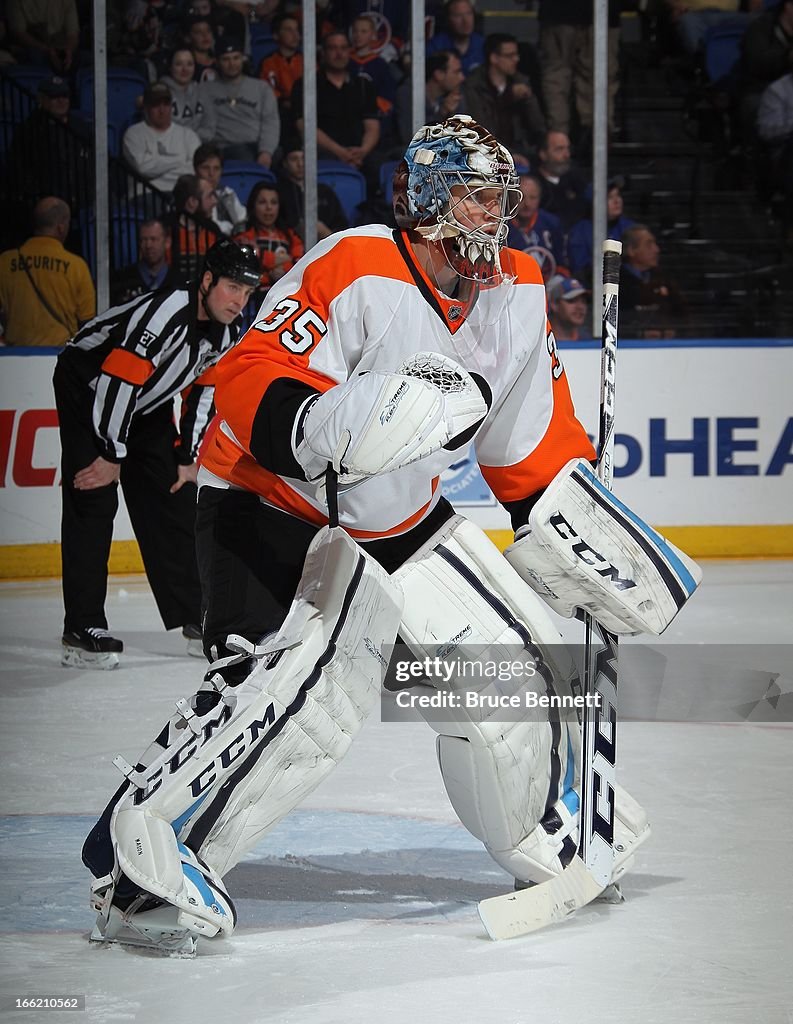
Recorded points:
186,106
279,247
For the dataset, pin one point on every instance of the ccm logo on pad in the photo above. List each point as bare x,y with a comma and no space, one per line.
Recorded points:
583,551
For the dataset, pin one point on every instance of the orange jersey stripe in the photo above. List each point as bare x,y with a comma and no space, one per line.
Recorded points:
564,439
127,366
225,459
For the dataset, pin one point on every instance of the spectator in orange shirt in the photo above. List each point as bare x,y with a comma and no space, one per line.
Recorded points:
283,68
279,247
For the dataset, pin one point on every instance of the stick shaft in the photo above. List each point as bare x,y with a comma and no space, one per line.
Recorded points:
599,729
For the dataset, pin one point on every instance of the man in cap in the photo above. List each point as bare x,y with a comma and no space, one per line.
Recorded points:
567,308
50,152
242,112
156,148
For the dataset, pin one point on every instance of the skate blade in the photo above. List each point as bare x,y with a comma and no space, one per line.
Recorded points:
612,894
73,657
175,946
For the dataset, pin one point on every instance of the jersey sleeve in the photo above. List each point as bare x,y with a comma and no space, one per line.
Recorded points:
533,430
198,408
127,367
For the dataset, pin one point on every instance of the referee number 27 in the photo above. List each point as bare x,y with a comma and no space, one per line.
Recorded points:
298,330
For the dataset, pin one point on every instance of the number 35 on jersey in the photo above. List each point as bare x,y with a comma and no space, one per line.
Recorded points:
298,329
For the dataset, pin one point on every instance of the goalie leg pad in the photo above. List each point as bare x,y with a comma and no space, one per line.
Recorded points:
503,777
583,548
228,775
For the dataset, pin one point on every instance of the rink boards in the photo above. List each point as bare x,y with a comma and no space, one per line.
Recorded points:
704,450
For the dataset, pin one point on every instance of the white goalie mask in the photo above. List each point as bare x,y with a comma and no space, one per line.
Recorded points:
457,184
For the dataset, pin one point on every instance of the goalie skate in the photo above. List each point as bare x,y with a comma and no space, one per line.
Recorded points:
137,918
91,648
155,929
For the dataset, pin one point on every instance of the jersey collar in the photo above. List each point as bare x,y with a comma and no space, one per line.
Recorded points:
451,311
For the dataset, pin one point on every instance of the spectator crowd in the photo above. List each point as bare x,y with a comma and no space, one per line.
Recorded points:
222,81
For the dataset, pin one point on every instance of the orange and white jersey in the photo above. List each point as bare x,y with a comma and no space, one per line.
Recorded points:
359,301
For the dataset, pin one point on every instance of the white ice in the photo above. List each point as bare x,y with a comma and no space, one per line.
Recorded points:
360,907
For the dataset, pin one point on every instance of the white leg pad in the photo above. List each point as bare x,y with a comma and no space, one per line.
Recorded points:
503,777
227,776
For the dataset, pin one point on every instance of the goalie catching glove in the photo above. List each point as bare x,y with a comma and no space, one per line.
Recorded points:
583,548
377,422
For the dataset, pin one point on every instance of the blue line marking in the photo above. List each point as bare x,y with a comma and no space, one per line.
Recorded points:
327,844
685,576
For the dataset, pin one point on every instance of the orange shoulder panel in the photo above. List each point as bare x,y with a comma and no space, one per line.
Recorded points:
127,366
526,267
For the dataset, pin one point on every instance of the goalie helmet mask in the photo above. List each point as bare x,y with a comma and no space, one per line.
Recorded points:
450,166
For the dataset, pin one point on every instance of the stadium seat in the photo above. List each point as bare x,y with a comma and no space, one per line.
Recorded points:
124,89
387,179
123,237
262,44
348,184
20,104
723,49
242,175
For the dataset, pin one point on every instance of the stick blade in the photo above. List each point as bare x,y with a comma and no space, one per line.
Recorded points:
521,913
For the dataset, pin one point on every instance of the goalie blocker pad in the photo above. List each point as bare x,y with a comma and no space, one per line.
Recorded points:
583,548
230,774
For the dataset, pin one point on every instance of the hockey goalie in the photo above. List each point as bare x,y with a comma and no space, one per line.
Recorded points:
377,359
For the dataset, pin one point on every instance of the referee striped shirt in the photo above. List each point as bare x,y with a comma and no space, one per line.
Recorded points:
138,356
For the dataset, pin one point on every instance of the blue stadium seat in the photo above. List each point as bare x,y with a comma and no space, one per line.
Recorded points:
124,90
27,76
262,44
242,175
387,179
348,184
723,49
123,236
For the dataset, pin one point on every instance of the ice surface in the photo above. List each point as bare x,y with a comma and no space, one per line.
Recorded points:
361,905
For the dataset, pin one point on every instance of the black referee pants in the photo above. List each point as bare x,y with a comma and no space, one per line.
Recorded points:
164,523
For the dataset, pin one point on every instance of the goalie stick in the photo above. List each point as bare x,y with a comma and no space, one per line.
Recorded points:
589,872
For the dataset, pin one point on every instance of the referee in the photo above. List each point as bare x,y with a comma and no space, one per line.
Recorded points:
114,388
